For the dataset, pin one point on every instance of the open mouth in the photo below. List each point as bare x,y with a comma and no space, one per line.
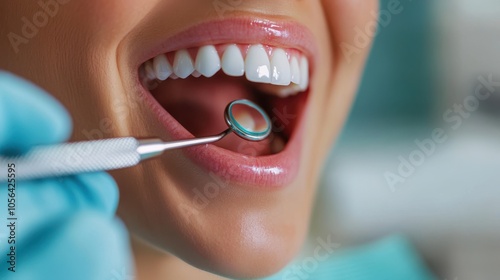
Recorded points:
193,83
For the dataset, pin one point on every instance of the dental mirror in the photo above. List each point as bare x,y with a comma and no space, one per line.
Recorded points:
243,117
247,120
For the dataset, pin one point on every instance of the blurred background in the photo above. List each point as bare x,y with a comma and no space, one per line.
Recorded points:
419,157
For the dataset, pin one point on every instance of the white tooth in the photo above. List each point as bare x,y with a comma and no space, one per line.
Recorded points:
292,89
207,61
304,73
257,65
280,91
196,74
149,69
280,68
277,145
295,68
232,62
183,64
162,67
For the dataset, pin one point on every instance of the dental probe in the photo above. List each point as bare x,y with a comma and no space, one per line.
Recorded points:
243,117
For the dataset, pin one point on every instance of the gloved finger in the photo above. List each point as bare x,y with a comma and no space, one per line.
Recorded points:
34,204
42,202
97,190
78,246
52,226
29,116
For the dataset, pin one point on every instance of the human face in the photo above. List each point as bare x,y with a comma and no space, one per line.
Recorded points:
227,208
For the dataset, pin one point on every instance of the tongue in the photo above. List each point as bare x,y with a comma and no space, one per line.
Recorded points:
198,104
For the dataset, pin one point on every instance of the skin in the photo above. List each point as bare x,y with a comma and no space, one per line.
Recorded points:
82,56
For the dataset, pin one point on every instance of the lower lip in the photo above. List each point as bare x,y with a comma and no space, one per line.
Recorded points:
267,172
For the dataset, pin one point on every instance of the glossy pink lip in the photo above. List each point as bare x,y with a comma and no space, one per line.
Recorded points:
287,34
273,171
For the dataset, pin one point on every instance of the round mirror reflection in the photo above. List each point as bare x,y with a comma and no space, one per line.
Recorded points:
248,120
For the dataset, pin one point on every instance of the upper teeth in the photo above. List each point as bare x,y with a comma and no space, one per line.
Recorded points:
281,68
232,61
208,61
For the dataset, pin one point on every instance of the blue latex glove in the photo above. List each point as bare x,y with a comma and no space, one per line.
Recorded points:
65,228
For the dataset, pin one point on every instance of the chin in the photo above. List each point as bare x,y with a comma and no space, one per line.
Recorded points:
242,253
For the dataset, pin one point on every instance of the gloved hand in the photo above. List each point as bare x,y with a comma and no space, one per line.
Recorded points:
66,227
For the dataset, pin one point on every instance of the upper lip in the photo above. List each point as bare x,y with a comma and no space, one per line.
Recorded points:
265,171
242,30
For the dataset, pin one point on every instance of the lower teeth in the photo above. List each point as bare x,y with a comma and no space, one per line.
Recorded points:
277,144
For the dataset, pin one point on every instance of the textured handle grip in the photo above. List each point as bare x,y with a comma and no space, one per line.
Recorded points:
73,158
